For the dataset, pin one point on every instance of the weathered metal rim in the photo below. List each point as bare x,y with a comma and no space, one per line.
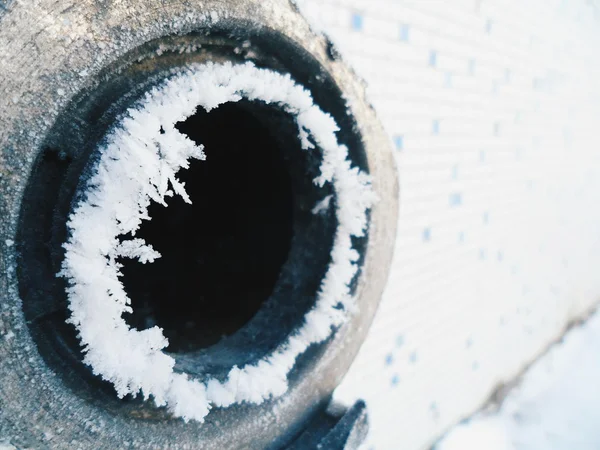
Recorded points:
55,68
72,146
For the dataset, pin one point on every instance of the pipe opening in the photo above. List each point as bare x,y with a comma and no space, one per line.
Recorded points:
221,255
240,267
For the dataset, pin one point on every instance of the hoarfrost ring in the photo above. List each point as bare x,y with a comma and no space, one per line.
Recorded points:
138,164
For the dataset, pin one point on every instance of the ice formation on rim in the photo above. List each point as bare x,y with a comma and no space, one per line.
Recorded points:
138,164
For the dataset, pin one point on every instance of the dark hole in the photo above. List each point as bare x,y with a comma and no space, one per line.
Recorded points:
222,255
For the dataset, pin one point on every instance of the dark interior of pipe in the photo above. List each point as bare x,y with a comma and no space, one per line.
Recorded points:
221,255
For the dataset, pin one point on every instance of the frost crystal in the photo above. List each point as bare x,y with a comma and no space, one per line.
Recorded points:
138,165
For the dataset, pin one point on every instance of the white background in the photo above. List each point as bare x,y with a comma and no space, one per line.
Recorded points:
493,108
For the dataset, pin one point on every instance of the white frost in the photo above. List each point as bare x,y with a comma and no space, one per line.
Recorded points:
322,205
138,165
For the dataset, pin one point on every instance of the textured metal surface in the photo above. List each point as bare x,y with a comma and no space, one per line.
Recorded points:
49,51
335,432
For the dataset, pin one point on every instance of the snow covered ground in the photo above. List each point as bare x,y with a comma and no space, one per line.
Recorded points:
556,405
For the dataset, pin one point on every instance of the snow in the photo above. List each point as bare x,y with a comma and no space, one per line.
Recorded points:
554,407
489,434
138,165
